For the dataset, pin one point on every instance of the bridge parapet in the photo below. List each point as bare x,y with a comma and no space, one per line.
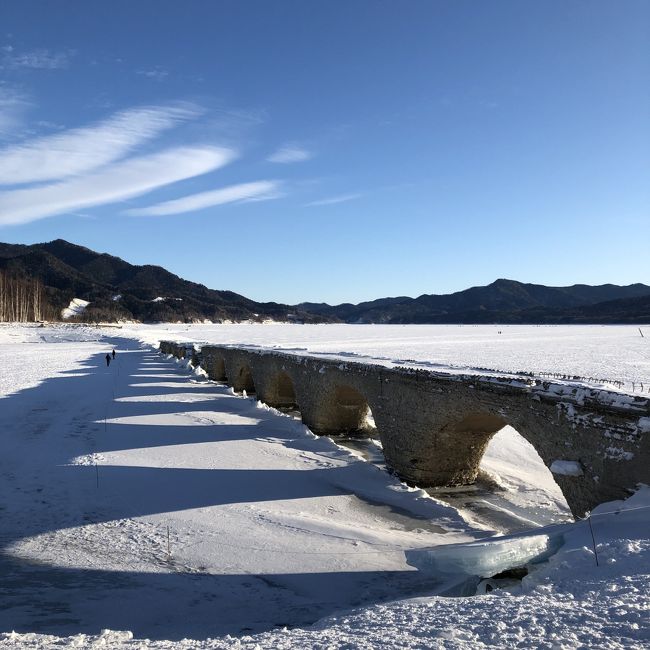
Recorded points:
434,427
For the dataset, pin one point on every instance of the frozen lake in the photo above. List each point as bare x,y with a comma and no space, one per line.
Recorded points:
611,352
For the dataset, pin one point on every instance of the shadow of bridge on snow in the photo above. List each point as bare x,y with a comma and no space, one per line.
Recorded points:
43,493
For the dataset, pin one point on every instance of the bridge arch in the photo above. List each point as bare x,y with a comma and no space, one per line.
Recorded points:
465,441
216,368
448,447
510,456
280,391
348,410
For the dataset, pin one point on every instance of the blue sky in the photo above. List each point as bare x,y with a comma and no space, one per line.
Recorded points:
333,151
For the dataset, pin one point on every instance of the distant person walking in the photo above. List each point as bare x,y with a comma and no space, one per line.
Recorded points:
113,353
108,360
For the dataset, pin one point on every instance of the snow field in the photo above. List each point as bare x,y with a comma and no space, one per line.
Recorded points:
25,363
612,352
566,603
141,497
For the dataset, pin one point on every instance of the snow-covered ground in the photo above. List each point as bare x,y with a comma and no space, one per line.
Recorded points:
609,352
142,497
76,307
26,363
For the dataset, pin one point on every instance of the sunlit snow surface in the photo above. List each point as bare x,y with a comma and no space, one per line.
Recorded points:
609,352
105,470
76,307
25,363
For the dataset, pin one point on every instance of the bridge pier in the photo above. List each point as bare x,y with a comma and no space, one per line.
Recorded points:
432,434
437,452
334,410
214,365
274,382
237,365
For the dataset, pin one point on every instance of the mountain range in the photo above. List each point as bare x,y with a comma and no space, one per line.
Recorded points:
117,290
503,301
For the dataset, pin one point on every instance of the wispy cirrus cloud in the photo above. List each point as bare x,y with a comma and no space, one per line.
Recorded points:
39,59
255,191
74,170
121,181
342,198
81,150
158,74
13,105
290,154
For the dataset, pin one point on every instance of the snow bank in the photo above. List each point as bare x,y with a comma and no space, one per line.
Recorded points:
526,489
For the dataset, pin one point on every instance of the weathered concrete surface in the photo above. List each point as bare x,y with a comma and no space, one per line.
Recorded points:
434,427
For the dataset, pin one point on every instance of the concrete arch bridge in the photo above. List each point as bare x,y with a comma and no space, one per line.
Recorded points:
434,426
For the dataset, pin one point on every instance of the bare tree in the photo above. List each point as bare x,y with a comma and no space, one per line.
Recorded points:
21,299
